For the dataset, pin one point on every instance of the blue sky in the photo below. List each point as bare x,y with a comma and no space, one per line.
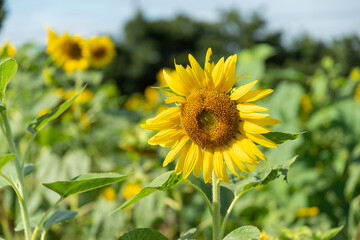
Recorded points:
26,19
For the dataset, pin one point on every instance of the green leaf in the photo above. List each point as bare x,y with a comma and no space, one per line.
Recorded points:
8,68
33,222
59,216
244,233
187,234
5,159
329,234
84,183
259,177
143,234
41,122
2,108
28,169
280,137
164,182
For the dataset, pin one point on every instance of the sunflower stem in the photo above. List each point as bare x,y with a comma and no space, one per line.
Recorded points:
216,207
228,212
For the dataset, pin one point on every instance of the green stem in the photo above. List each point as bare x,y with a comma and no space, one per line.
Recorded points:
216,207
204,195
228,212
27,150
19,170
43,235
43,219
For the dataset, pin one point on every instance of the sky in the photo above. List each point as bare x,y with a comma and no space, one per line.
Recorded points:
26,20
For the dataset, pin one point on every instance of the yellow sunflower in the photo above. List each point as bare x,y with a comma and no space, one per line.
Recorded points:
102,51
69,52
212,126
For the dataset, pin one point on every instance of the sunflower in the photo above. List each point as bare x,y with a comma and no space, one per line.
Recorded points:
212,126
102,51
69,52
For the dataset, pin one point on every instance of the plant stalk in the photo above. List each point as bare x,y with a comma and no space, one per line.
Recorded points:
216,206
19,171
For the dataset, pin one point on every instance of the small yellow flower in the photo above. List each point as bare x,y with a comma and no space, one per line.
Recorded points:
134,102
109,194
307,212
7,50
151,95
85,96
44,111
130,190
212,126
357,93
355,75
102,51
264,236
306,103
69,52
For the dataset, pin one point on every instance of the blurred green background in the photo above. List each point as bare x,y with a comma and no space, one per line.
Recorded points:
316,89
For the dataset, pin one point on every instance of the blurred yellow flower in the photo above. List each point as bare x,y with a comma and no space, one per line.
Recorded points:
44,111
134,102
357,93
85,96
355,75
211,128
307,212
306,103
109,194
102,51
69,52
264,236
130,190
151,95
7,50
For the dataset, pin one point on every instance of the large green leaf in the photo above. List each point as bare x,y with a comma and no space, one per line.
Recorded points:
59,216
5,159
85,182
143,234
41,122
8,68
280,137
164,182
259,177
244,233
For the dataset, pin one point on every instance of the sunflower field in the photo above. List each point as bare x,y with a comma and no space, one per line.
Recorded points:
180,130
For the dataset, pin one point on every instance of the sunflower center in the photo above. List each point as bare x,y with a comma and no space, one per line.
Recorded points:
73,50
99,52
209,118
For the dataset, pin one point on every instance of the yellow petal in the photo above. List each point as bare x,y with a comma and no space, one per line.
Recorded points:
229,162
208,165
191,159
250,107
254,95
168,115
187,80
175,151
207,61
217,74
197,70
160,125
166,135
176,84
260,139
180,163
174,99
199,163
249,147
265,121
254,128
241,91
238,152
219,166
253,115
229,78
